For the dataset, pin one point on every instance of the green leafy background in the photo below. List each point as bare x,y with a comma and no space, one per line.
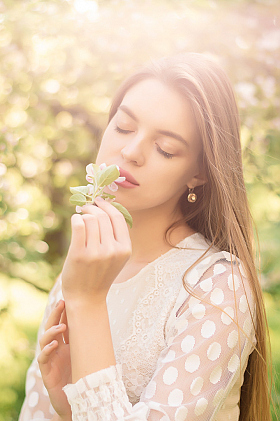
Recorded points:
60,63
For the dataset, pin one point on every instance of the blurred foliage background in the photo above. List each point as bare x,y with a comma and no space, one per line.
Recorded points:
61,61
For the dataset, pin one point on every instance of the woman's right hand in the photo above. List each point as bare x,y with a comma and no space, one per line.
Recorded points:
54,360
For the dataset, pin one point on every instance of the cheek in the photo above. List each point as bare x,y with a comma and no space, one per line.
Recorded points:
179,175
168,185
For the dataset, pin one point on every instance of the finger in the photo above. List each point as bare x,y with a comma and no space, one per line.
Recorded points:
120,228
65,322
55,315
92,230
106,232
78,238
53,333
44,356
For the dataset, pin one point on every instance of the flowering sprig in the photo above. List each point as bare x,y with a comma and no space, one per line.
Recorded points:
99,177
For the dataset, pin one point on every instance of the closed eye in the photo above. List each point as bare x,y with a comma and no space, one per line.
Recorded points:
119,130
165,154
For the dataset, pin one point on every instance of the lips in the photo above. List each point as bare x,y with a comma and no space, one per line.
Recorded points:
128,176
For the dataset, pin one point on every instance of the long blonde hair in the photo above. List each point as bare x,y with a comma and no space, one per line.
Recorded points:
221,212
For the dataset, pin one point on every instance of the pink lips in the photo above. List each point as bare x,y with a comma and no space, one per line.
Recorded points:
128,177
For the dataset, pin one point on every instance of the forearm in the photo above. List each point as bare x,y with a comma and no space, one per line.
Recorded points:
58,418
90,340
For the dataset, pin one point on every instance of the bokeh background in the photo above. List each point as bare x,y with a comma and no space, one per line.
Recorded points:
61,62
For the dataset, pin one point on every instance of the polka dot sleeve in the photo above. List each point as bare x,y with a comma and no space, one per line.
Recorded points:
209,337
36,406
209,340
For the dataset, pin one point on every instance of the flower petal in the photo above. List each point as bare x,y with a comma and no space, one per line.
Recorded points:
102,166
120,179
113,187
89,178
90,188
89,169
78,209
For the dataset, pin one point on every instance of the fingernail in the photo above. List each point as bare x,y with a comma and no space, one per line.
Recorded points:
51,344
58,327
57,304
99,199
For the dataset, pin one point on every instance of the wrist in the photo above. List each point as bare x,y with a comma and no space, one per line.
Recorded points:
57,417
85,308
84,298
90,338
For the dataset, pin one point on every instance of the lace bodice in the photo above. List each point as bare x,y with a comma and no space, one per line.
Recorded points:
179,356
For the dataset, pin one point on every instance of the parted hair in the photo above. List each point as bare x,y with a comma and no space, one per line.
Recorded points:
221,212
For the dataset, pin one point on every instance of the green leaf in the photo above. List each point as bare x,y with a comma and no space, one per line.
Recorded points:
107,176
79,189
124,211
78,199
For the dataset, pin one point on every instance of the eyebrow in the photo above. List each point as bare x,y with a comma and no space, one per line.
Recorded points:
168,133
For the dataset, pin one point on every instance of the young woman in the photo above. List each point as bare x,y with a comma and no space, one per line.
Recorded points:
164,321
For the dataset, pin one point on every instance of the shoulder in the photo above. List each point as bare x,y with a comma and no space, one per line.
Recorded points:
197,260
215,295
215,264
186,254
218,267
219,279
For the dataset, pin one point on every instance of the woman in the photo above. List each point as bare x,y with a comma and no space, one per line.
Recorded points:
164,321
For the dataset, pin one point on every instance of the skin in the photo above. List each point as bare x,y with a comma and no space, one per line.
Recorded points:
103,248
162,180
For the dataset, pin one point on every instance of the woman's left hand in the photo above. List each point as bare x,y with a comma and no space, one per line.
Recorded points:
54,360
100,246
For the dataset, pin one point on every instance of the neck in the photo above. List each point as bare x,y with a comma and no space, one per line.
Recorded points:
147,234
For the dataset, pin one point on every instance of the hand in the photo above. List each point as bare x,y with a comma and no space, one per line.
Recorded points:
100,246
54,360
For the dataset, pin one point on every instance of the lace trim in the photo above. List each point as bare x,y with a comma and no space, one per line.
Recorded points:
148,322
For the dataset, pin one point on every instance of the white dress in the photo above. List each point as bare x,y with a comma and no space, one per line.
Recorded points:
179,357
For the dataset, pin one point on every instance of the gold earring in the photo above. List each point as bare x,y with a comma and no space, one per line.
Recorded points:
192,196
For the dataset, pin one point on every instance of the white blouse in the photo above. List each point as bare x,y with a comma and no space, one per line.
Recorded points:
179,356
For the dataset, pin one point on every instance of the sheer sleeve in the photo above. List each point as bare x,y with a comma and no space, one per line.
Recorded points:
37,405
209,337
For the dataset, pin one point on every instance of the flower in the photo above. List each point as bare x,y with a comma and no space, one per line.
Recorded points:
90,175
98,179
113,186
103,166
90,189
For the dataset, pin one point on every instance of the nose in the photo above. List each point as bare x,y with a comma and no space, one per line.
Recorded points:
134,151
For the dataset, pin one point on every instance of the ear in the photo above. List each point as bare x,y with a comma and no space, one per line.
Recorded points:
198,180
